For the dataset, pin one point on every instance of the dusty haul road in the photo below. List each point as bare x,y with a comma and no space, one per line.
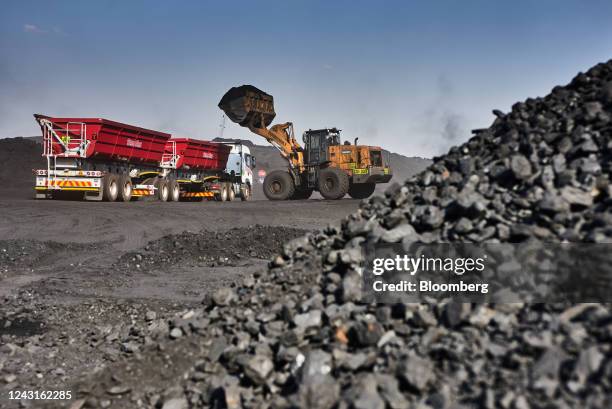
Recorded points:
127,226
76,276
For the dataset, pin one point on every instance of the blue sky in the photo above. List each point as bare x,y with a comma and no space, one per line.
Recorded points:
411,76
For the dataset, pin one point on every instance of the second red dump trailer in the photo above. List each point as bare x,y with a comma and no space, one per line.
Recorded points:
108,160
199,168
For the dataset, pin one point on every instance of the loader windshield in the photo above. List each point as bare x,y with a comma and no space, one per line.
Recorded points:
376,158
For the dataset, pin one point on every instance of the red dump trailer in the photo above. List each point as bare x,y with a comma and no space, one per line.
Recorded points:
200,167
197,154
108,160
101,139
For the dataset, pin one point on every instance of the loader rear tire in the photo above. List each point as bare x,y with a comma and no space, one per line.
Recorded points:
278,185
333,183
110,187
125,188
361,190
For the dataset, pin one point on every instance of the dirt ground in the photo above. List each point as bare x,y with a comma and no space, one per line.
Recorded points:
126,226
76,276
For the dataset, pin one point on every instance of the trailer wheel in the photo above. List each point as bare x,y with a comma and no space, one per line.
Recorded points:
333,183
110,187
361,190
246,193
278,185
222,195
125,188
231,195
162,190
175,191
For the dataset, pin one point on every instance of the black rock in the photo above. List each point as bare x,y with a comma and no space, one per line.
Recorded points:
258,369
417,372
520,167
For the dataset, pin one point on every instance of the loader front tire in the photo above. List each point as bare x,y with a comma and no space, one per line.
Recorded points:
278,185
333,183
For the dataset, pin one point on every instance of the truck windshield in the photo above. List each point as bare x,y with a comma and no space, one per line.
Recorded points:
376,158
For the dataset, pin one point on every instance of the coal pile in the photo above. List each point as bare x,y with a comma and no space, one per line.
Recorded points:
28,254
46,346
18,156
299,337
541,170
210,248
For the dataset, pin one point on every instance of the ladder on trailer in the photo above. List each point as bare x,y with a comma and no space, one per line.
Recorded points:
70,141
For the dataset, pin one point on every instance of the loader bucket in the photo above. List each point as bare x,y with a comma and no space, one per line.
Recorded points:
248,105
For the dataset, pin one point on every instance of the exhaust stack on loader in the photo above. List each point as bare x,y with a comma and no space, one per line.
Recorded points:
324,164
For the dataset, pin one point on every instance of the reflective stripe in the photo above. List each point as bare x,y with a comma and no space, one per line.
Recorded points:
83,189
197,194
69,183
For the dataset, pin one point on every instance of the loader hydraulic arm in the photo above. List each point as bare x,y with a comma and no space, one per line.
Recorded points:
252,108
282,137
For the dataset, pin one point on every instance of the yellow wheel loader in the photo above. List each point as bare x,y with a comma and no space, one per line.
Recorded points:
324,164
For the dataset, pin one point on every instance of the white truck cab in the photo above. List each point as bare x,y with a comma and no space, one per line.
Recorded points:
240,164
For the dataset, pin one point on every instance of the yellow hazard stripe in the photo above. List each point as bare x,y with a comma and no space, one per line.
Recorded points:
69,183
197,194
141,192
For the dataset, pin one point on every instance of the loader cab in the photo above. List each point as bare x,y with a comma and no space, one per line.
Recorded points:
316,144
376,158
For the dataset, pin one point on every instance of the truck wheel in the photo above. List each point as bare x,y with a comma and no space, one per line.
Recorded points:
333,183
162,190
175,191
110,187
231,195
361,190
222,195
246,193
278,185
125,188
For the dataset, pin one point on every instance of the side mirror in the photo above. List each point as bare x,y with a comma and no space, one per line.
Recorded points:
253,162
